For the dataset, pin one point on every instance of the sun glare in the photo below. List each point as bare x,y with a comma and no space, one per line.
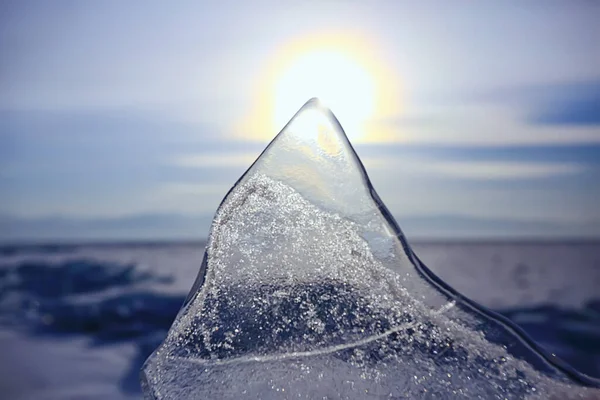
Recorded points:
344,70
339,82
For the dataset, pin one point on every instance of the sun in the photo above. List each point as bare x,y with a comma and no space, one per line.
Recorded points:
337,79
343,69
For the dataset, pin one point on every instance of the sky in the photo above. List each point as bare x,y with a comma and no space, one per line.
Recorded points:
131,120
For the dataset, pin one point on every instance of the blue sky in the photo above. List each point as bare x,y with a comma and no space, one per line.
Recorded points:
126,120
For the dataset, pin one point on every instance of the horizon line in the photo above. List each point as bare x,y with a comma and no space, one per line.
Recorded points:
189,241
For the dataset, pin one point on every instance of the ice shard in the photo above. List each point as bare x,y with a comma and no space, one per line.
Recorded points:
309,289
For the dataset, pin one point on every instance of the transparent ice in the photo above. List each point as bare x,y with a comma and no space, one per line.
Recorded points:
309,290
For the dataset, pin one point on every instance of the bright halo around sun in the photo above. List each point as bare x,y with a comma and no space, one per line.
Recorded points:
343,69
340,82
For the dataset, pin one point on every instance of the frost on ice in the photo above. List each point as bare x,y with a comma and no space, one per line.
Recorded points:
309,290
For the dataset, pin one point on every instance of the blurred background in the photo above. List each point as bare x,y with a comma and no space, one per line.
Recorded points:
123,125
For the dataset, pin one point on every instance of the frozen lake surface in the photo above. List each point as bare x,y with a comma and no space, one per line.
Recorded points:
78,321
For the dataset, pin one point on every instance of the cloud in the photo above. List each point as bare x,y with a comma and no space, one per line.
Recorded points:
485,124
575,111
214,160
557,114
461,227
197,198
473,169
588,154
202,189
565,104
504,170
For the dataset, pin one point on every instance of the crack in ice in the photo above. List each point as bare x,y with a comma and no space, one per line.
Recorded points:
324,351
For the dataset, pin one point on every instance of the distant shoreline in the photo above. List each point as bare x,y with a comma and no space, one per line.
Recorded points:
68,243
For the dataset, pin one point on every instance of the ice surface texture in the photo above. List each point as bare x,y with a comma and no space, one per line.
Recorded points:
308,289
